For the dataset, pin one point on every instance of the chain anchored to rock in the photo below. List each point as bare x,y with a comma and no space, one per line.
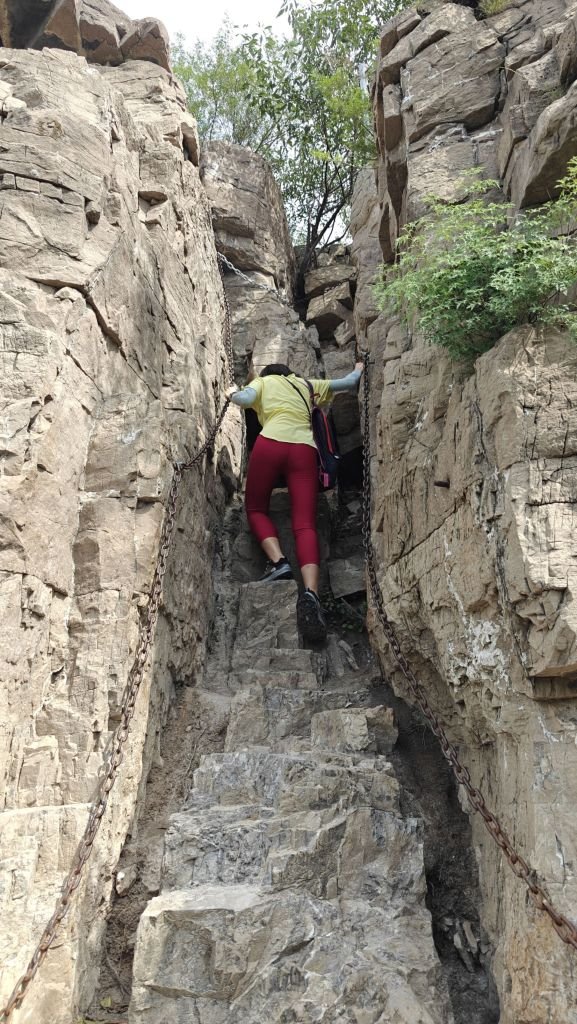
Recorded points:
251,281
129,697
565,928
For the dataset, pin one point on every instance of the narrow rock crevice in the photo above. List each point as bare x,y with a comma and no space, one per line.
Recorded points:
429,792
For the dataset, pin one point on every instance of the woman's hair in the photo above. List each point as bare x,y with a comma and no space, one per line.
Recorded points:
276,369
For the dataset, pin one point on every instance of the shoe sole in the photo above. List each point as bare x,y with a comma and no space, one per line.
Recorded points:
309,622
285,575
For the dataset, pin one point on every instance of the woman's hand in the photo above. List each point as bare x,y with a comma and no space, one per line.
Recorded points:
360,367
231,390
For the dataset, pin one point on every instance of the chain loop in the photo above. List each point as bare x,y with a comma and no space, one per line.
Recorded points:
129,697
565,928
248,280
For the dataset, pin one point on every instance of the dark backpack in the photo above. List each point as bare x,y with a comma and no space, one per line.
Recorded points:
324,438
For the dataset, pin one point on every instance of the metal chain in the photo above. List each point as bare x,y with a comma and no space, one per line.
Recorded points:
565,928
128,703
227,317
249,280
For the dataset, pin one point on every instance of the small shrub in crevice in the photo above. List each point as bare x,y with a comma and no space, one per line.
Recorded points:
468,272
489,7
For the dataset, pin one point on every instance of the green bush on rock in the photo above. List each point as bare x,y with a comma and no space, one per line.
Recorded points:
468,272
489,7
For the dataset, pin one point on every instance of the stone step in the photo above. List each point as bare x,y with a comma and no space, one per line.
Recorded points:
226,846
355,729
267,616
334,850
233,954
265,715
291,782
279,659
289,679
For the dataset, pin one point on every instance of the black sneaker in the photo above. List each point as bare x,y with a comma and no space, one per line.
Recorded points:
310,618
280,570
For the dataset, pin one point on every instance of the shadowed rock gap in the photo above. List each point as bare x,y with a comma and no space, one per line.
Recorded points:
453,896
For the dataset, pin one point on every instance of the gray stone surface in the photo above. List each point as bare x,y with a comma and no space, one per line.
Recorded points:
292,886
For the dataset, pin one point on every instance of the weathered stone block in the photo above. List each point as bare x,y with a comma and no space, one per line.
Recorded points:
355,729
347,575
319,280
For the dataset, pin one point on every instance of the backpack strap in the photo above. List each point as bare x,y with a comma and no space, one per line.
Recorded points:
299,392
311,391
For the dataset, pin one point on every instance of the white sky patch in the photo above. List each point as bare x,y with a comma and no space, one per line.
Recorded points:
202,20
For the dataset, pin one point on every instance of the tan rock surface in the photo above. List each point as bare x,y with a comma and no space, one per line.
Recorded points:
247,210
453,93
112,359
477,575
318,280
252,233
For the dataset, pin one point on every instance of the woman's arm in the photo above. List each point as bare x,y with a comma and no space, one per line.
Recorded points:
347,383
245,397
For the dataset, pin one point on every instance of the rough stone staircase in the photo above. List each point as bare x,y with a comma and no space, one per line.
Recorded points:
293,889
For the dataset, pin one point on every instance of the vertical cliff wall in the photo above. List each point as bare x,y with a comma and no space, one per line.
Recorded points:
478,575
112,363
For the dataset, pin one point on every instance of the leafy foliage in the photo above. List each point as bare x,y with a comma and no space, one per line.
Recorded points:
468,272
302,102
217,77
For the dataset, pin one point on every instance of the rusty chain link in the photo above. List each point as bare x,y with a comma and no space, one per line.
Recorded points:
228,346
565,928
129,696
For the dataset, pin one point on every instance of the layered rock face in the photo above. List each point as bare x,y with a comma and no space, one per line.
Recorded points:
330,291
111,316
478,573
252,233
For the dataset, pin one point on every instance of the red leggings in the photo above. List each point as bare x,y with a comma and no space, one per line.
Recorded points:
298,464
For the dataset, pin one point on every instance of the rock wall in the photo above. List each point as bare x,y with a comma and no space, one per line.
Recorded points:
112,362
478,574
251,229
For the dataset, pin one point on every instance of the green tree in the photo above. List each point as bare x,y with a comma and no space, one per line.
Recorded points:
302,102
313,88
217,77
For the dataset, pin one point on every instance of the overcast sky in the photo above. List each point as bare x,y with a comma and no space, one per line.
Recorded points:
201,19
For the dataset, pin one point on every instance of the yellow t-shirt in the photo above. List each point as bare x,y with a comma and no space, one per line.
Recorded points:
281,412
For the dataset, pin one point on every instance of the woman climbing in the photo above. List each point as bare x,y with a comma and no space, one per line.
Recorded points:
286,448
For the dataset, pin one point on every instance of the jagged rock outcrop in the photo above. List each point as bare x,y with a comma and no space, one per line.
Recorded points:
95,29
330,287
478,574
111,316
